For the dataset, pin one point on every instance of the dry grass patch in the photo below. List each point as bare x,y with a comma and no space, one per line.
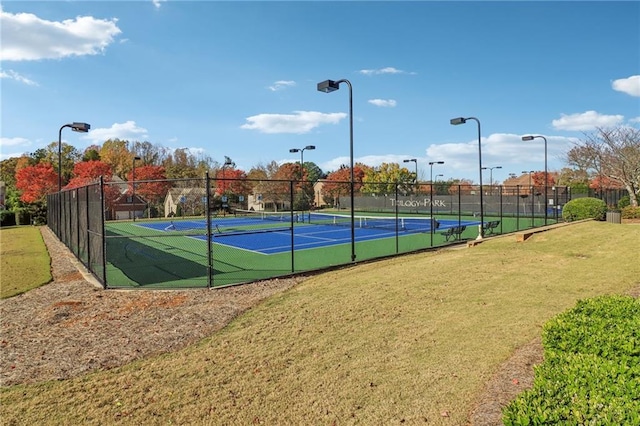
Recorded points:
408,340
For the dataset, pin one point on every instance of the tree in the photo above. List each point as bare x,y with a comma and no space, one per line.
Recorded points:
36,182
115,152
613,154
232,181
338,182
464,186
69,157
8,171
314,172
182,164
151,185
382,180
87,172
91,153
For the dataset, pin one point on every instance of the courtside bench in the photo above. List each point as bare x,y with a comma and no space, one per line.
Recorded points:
490,227
454,232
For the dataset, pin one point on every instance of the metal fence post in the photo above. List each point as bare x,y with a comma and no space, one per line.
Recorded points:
209,236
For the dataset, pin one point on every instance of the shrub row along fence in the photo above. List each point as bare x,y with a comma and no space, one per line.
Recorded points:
212,233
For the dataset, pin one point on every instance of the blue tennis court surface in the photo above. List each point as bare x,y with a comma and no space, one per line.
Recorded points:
271,235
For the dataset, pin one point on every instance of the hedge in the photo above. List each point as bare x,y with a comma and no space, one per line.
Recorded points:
584,208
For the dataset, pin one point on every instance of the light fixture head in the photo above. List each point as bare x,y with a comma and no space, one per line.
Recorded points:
459,120
80,127
294,150
527,138
328,86
310,147
136,158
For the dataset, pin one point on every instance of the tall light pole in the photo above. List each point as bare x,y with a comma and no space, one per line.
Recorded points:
301,151
529,172
431,163
227,162
413,160
546,178
76,127
432,221
133,186
530,192
329,86
491,176
462,120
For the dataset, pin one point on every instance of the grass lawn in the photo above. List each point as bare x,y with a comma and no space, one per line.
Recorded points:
400,340
24,261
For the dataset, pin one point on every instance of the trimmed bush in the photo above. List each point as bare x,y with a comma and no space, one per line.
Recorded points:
584,208
624,202
591,371
7,218
631,212
23,216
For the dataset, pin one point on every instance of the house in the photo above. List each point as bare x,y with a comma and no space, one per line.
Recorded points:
121,204
181,201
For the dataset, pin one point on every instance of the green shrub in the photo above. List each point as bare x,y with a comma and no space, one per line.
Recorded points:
7,218
624,202
38,212
631,212
23,216
591,372
584,208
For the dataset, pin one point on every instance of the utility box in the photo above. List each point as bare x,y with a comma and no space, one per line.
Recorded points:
614,217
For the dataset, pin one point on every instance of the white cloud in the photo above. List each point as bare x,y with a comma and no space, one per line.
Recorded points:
634,120
299,122
386,70
124,131
281,84
586,121
158,3
19,146
26,37
5,142
12,75
630,85
383,102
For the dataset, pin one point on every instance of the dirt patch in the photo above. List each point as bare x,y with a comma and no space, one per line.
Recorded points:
70,326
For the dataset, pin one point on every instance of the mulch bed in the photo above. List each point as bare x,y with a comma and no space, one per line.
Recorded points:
72,326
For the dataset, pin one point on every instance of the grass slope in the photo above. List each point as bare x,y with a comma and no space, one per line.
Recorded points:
411,339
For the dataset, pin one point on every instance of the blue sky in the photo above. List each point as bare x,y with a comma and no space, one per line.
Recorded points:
238,79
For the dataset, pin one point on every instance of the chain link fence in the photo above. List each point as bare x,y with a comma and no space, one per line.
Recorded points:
206,233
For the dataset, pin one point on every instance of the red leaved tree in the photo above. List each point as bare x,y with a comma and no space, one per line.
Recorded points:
232,181
151,183
87,172
36,182
338,182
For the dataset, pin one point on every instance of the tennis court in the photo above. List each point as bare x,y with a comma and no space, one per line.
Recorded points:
271,233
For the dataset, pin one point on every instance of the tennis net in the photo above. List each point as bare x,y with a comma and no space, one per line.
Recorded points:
401,223
283,216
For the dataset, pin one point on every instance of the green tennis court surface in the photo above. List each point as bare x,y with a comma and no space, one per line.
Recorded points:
175,253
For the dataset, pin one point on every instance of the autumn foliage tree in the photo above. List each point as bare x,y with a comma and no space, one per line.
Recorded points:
151,183
87,172
36,182
339,182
